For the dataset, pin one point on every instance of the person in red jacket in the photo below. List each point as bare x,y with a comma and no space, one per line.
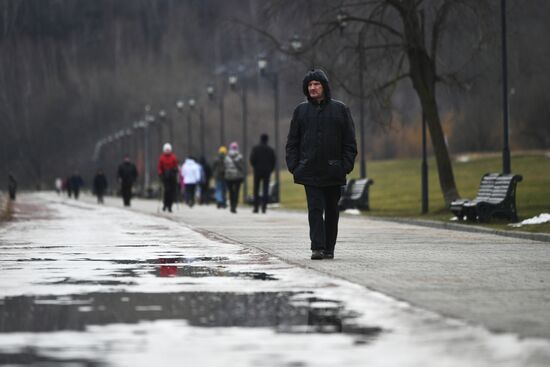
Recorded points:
167,169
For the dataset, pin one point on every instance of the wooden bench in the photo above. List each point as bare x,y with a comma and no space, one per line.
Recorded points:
496,197
356,194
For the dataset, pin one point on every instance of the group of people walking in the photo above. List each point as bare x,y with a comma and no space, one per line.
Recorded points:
229,173
228,170
320,152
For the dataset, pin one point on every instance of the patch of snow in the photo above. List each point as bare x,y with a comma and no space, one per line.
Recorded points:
98,249
353,211
539,219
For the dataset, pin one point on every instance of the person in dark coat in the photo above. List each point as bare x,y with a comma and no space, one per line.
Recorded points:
75,183
100,186
320,151
12,186
205,181
127,175
262,159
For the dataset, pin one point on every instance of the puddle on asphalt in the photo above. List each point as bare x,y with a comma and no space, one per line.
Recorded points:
168,268
72,281
31,356
286,312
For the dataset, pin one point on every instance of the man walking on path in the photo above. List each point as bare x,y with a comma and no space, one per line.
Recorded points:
76,182
167,169
262,160
320,151
127,175
12,186
100,185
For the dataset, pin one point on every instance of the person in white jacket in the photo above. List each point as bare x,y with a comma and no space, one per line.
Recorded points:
191,173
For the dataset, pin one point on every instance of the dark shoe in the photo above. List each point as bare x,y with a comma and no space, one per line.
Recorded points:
328,255
255,210
233,210
317,255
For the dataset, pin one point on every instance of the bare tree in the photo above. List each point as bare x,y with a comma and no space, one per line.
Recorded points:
386,42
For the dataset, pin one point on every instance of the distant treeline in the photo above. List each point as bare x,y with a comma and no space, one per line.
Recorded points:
75,71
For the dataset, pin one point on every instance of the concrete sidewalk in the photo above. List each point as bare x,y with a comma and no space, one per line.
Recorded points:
502,283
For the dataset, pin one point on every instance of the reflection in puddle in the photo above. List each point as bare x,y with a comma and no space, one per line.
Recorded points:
31,356
286,312
166,269
72,281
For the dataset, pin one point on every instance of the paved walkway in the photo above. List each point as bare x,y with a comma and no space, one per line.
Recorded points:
502,283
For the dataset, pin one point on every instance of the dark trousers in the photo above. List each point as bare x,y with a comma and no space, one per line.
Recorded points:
126,192
264,181
190,190
169,193
323,215
233,187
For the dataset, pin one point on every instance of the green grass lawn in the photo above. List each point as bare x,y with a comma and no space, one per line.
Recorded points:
396,189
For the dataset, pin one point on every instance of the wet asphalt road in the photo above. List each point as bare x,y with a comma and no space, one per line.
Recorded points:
84,285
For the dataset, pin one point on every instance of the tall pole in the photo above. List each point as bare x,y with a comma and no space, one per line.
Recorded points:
222,122
201,116
424,168
245,138
276,122
506,165
363,165
189,141
159,132
171,129
146,178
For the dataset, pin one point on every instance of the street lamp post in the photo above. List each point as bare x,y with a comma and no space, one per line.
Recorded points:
506,164
147,148
233,83
162,118
146,179
180,105
273,76
191,104
210,91
341,20
201,121
135,127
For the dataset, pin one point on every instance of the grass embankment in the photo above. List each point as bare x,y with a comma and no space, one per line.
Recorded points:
396,189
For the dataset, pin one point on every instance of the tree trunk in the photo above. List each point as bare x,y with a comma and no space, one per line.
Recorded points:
423,75
423,78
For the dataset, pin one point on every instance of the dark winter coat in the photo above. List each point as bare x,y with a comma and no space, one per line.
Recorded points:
262,159
100,184
75,182
321,146
127,173
218,167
